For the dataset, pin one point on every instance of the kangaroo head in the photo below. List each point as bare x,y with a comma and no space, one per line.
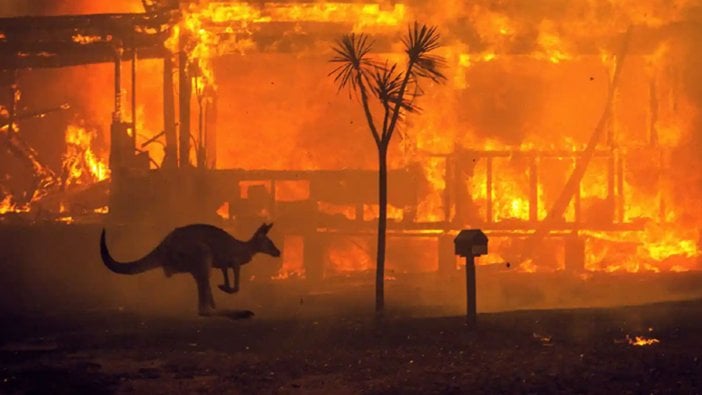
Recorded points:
262,243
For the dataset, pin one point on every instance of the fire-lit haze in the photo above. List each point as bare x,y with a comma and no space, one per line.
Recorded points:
528,84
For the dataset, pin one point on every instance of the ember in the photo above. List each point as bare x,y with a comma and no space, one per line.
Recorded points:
642,341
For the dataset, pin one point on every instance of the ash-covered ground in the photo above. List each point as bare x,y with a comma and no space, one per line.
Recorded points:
68,325
349,351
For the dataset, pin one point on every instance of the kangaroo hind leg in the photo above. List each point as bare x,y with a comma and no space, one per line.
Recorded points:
201,274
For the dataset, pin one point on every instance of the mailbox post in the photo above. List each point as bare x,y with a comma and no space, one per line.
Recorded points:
469,244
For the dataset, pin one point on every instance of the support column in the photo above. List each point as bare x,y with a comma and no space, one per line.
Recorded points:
620,187
211,131
653,121
185,86
577,197
134,107
471,303
12,110
574,254
117,114
447,260
449,170
169,125
488,186
459,191
119,199
611,191
117,130
533,191
201,97
313,256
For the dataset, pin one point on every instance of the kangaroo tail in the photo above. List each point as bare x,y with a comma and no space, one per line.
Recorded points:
139,266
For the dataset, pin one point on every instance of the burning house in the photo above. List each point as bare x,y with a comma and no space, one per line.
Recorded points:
568,132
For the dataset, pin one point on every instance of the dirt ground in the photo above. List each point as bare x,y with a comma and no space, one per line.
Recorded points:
543,351
68,325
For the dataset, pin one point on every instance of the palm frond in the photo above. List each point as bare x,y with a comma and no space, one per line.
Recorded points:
352,55
421,40
387,86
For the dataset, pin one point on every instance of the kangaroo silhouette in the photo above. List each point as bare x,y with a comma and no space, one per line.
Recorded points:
196,249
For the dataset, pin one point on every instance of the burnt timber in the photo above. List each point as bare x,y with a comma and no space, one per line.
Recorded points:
62,41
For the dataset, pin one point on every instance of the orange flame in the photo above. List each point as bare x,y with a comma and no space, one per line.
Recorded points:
641,341
80,162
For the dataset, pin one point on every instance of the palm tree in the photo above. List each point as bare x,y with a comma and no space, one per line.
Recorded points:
396,91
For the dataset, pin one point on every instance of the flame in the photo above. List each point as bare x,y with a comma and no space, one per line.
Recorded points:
648,250
102,210
349,255
223,211
347,212
7,205
371,212
431,207
81,163
551,44
521,82
293,259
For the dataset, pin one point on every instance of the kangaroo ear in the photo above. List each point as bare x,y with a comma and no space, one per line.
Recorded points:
264,228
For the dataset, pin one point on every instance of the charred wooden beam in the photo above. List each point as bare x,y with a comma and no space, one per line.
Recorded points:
488,190
60,41
115,22
70,55
533,190
211,131
185,88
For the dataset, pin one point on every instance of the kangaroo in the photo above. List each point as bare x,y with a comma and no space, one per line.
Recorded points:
196,249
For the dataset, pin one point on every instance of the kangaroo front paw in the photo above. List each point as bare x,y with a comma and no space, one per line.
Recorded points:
227,289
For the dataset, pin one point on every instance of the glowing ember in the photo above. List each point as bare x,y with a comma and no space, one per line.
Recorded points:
641,341
82,39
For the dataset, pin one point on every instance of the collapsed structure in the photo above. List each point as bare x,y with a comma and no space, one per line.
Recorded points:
563,146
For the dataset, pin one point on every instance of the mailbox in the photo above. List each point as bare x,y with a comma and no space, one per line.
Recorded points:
471,243
468,244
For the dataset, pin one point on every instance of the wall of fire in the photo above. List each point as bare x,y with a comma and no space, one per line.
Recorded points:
494,146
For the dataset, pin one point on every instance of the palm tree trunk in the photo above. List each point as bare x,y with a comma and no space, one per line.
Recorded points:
382,225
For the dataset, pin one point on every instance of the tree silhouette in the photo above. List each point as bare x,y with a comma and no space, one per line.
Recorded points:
395,89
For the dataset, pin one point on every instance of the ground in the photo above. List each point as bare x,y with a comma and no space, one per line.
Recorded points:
538,351
68,325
